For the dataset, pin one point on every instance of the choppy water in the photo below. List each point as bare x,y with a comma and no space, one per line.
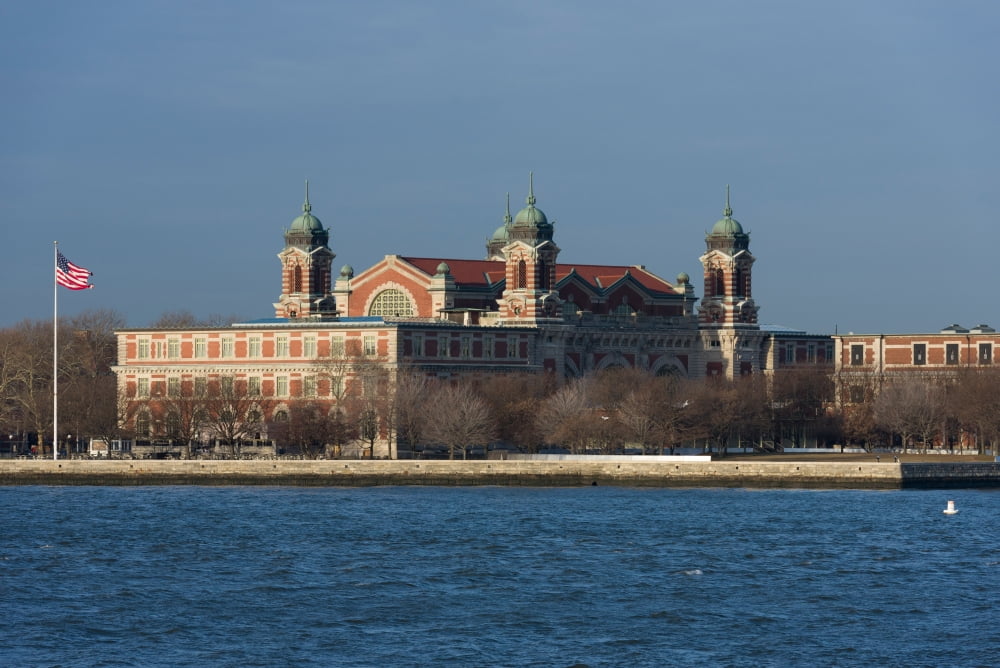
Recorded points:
241,576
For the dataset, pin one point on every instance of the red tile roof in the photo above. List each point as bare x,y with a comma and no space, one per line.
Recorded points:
484,273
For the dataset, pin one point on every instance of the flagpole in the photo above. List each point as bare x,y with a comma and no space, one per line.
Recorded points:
55,352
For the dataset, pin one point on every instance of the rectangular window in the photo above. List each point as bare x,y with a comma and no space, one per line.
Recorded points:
857,354
309,386
418,345
919,354
201,347
174,348
986,353
281,386
226,385
951,353
142,387
173,387
309,346
857,393
512,347
789,353
443,346
811,352
227,346
200,386
143,352
369,346
281,345
159,350
337,387
253,386
254,346
466,347
488,346
337,346
828,351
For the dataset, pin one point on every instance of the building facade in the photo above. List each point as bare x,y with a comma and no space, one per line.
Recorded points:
522,309
865,362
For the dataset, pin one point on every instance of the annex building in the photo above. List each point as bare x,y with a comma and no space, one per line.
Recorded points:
865,362
523,308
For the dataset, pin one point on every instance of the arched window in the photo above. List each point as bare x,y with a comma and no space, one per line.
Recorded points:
543,275
522,274
740,282
173,425
297,279
720,283
142,425
391,303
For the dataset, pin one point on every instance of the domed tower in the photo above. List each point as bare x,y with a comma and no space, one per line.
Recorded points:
727,263
501,237
305,269
530,291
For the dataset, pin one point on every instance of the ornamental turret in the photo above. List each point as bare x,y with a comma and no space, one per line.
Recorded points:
530,292
501,237
728,263
305,269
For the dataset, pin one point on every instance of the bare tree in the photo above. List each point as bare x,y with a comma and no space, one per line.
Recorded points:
912,408
799,398
185,319
974,402
33,394
514,400
178,319
458,418
308,428
409,414
567,417
187,415
232,411
638,413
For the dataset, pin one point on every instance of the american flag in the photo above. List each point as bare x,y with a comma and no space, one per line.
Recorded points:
70,275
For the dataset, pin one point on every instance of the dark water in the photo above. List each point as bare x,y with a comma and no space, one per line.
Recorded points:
196,576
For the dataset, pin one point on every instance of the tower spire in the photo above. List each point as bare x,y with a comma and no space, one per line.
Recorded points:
507,218
728,211
531,189
306,206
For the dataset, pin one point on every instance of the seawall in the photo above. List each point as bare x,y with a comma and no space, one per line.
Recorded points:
360,473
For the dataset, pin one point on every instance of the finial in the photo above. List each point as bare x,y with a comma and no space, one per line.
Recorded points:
531,189
506,218
307,207
728,213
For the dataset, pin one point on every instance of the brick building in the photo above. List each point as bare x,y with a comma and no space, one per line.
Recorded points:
521,309
864,362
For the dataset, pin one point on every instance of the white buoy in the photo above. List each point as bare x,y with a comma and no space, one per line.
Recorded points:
950,510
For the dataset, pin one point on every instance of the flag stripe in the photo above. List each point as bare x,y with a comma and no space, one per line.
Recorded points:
70,275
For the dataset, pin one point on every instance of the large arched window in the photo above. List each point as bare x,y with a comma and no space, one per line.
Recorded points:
173,425
142,425
297,279
391,303
522,274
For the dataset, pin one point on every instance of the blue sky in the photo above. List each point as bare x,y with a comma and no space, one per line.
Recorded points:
164,144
